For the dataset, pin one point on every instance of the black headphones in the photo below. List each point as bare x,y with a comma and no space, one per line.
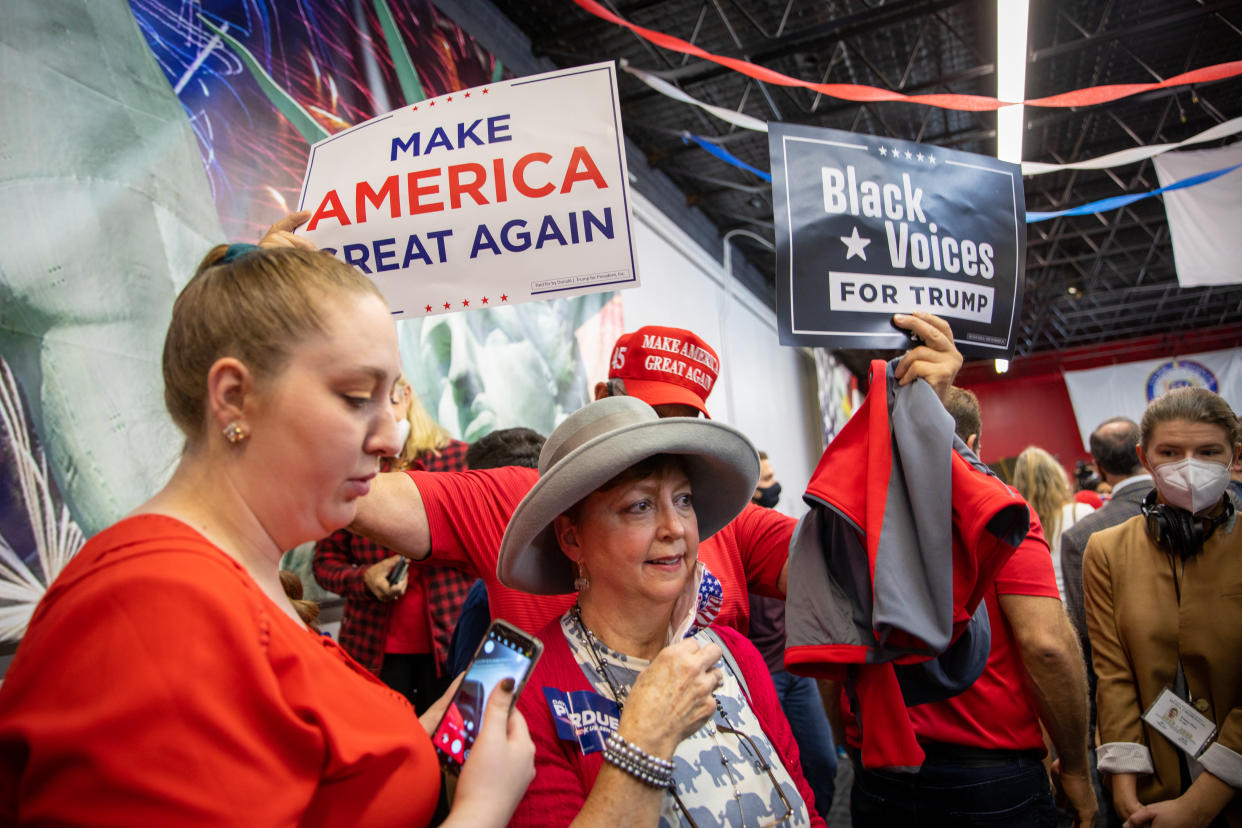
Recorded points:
1179,531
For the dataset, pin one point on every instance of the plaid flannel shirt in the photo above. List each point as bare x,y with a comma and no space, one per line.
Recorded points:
342,558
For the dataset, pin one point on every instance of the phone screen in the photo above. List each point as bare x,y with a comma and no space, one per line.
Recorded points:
506,652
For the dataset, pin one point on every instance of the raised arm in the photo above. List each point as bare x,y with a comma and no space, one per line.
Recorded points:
393,515
937,360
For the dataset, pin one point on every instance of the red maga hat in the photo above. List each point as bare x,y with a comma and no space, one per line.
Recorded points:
663,366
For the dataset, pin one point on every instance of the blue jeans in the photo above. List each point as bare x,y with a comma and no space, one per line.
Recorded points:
799,697
1011,791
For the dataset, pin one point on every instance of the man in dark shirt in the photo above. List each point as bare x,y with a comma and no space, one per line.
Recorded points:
1113,447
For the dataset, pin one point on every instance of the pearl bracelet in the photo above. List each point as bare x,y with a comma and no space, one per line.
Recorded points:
648,769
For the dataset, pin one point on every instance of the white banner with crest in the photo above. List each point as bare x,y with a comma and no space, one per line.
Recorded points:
1124,390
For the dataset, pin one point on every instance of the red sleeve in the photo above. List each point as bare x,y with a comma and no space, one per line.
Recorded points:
767,707
336,570
762,537
1029,571
467,513
168,715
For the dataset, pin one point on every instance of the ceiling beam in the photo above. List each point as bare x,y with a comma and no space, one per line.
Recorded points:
1155,24
766,51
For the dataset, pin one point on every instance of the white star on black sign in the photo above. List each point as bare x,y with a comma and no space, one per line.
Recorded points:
855,245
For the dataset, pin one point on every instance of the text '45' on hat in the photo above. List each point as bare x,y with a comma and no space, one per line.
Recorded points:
665,366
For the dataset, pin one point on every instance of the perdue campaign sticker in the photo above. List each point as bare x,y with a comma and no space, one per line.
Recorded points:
583,716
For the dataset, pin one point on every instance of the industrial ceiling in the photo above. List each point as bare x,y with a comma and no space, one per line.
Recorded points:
1089,279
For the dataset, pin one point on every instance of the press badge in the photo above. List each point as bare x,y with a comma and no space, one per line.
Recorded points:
1180,723
583,716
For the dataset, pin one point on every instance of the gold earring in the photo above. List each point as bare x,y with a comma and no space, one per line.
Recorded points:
235,433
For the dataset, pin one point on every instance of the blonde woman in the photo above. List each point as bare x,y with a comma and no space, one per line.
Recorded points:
399,626
426,443
1045,485
166,678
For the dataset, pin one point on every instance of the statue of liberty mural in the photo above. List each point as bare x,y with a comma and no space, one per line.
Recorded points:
137,135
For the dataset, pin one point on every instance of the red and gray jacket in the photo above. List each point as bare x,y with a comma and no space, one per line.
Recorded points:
906,533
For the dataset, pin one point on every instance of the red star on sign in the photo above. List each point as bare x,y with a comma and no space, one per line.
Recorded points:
504,297
415,108
465,303
467,94
484,91
428,309
432,103
447,305
485,300
449,98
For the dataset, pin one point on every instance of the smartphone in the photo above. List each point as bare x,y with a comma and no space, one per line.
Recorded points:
505,652
397,571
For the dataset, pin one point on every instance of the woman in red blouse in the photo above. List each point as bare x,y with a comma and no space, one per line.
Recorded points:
165,678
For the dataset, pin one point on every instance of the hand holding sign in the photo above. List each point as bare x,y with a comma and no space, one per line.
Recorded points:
281,233
936,360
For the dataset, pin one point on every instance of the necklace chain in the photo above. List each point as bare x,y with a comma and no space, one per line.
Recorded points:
619,696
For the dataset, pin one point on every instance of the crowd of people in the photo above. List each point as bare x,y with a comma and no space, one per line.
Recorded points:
1092,671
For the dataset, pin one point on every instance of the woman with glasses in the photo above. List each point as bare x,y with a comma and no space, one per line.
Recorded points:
641,714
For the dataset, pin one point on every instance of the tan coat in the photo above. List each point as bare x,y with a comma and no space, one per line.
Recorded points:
1137,629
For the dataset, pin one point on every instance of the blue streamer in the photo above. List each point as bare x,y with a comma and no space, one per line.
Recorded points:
724,155
1117,202
1104,204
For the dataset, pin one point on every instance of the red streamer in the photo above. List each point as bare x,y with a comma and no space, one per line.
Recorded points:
1089,96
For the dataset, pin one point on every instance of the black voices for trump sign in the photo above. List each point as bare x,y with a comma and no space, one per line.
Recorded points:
490,196
867,227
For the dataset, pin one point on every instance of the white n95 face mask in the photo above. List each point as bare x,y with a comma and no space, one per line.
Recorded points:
1192,484
403,433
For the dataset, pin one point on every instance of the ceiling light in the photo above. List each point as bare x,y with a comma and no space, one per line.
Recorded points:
1011,52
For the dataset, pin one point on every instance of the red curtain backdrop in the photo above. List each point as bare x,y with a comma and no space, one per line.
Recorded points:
1028,411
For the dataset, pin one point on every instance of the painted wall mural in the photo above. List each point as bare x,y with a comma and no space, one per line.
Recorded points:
139,134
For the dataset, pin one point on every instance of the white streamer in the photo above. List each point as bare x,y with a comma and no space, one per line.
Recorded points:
1113,159
1129,156
665,88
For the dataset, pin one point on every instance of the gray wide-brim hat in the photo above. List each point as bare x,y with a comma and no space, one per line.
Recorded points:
594,445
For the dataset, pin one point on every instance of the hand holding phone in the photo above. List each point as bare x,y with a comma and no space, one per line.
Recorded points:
398,571
505,652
